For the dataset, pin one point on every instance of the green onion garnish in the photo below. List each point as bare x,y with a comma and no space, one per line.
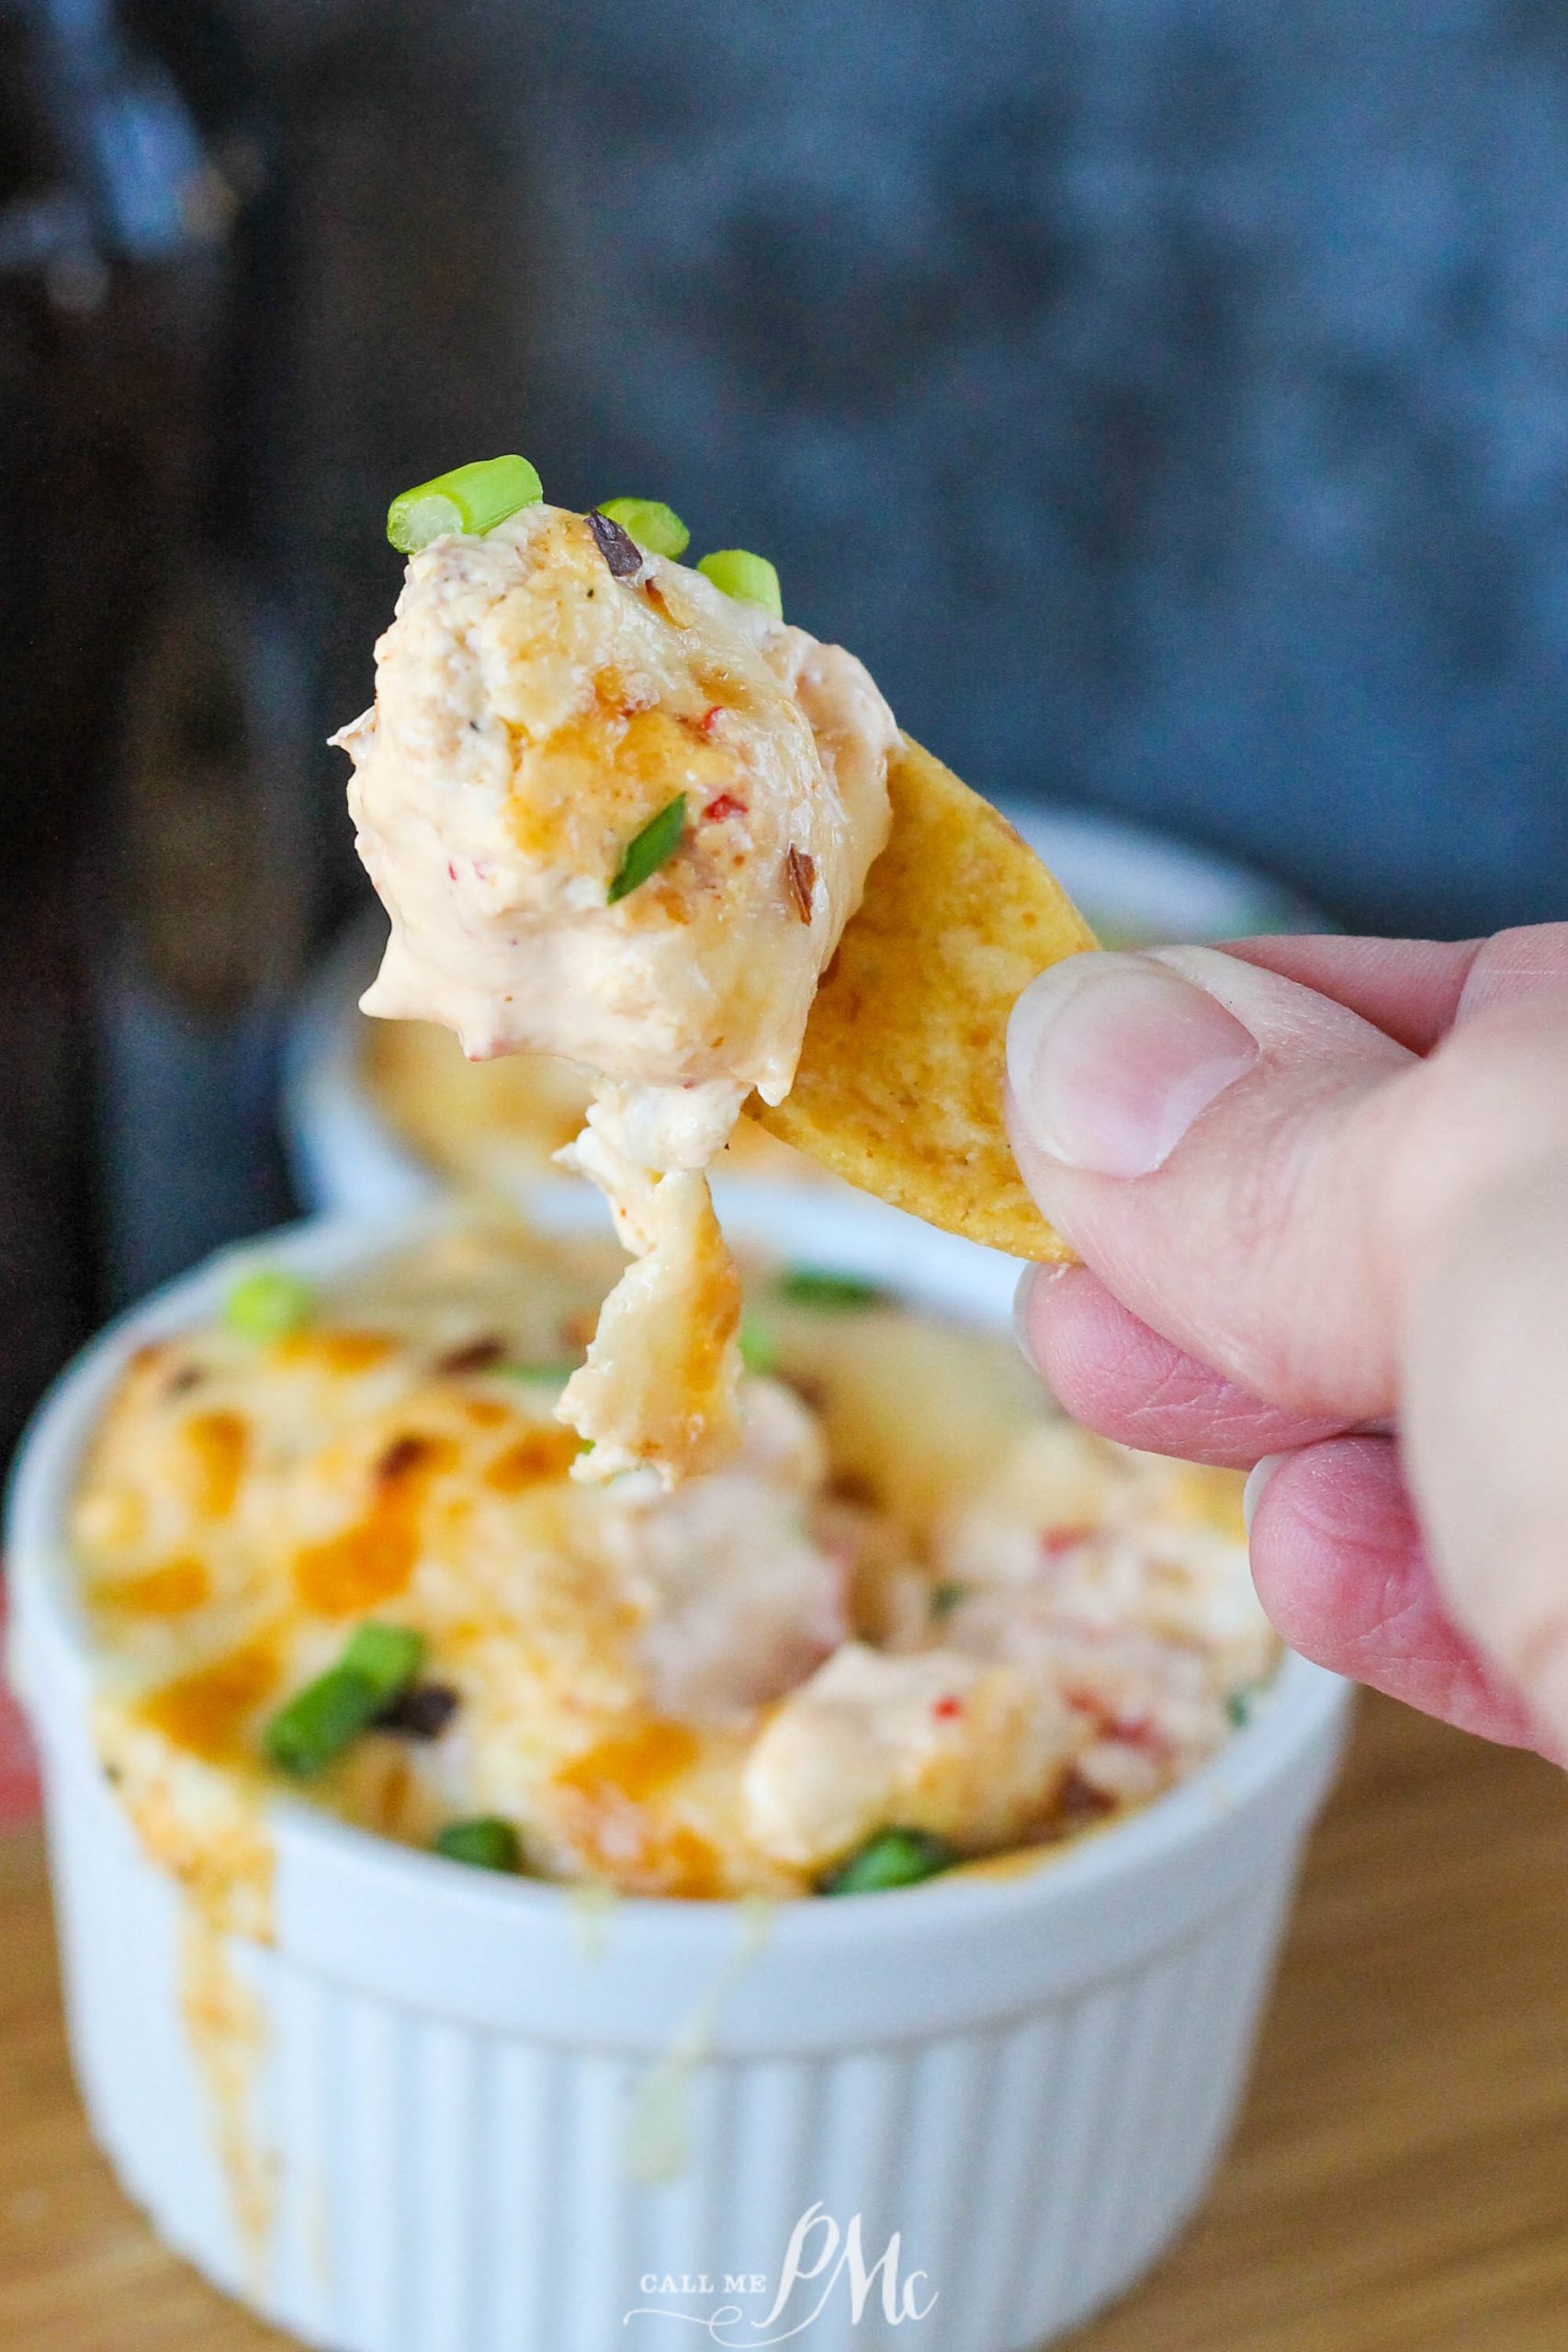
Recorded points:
811,1286
646,850
750,579
1238,1707
470,498
650,523
893,1858
485,1845
389,1656
557,1374
945,1599
268,1305
319,1721
329,1715
759,1348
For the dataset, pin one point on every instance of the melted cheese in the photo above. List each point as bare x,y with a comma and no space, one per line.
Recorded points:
858,1621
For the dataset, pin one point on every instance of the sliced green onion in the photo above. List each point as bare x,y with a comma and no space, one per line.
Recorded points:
1238,1707
389,1656
489,1844
329,1715
646,850
812,1287
759,1347
269,1304
750,579
893,1858
945,1599
650,523
320,1722
470,498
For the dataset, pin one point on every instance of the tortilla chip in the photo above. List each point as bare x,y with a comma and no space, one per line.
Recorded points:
900,1082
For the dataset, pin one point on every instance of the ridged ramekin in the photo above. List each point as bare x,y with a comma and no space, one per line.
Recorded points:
457,2113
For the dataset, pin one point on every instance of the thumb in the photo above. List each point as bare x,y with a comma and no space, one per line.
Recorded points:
1216,1141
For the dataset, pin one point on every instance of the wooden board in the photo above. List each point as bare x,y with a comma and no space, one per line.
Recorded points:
1401,2179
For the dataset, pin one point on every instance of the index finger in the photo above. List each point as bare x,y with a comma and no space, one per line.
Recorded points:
1415,990
1410,988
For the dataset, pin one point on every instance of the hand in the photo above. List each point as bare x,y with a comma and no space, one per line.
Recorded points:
1320,1189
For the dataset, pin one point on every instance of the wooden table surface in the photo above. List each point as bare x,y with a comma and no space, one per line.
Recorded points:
1400,2183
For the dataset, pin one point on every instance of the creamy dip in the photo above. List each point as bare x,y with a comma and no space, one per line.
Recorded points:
927,1602
536,712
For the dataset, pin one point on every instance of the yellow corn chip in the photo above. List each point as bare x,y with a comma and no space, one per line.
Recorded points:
899,1087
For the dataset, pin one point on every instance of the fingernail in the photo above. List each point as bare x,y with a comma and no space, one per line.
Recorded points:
1028,1286
1110,1058
1021,1300
1258,1478
1546,1696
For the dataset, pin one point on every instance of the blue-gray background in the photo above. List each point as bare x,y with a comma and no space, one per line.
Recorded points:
1168,397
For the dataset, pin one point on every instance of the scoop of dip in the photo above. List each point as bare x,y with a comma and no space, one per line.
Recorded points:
934,1612
618,815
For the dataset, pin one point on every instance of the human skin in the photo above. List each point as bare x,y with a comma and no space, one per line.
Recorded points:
1320,1191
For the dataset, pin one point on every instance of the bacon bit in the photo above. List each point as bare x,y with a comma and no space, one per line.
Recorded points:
404,1453
1055,1542
726,805
619,549
423,1712
1079,1804
854,1486
478,1356
711,717
947,1709
451,872
800,872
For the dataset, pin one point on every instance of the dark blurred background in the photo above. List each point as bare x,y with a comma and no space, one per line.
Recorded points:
1168,400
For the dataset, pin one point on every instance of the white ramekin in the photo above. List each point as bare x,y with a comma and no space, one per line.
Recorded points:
487,2118
348,1159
